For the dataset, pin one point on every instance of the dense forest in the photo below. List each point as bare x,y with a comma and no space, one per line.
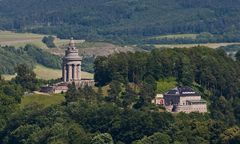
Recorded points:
10,57
125,114
31,55
124,21
118,109
211,72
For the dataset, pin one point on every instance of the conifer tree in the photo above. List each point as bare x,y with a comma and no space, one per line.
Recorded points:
238,56
72,93
26,77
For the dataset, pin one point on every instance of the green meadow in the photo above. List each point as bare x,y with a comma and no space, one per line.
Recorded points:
46,73
45,100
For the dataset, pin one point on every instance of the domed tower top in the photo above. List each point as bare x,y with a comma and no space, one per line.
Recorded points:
72,52
72,44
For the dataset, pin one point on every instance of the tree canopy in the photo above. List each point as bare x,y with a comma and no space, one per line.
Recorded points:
26,77
125,21
49,41
31,55
125,114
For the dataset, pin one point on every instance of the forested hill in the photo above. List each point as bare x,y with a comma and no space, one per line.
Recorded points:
122,20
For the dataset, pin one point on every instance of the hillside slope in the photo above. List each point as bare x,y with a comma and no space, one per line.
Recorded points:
121,20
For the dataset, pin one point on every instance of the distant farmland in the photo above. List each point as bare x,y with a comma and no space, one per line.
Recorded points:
186,36
210,45
175,36
21,39
48,73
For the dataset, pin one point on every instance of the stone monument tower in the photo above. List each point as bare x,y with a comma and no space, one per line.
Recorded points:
71,65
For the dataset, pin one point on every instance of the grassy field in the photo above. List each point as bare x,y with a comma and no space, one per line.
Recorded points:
193,36
211,45
6,36
85,48
43,72
21,39
48,100
164,85
8,77
45,100
48,73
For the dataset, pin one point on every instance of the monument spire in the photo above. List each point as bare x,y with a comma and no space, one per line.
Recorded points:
72,42
71,65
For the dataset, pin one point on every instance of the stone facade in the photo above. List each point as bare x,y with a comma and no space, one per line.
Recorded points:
71,66
60,88
184,99
71,72
57,88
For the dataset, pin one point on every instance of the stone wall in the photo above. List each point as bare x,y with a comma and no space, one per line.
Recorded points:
202,108
183,99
